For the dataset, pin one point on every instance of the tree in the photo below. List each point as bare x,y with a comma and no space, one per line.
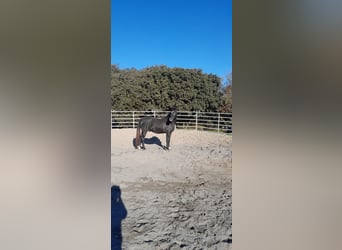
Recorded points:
227,97
161,87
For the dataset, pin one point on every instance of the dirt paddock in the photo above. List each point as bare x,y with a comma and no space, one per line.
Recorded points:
176,199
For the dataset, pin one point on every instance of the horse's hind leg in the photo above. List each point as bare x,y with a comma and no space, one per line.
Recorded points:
139,145
143,134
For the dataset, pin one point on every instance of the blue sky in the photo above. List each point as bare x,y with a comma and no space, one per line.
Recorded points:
175,33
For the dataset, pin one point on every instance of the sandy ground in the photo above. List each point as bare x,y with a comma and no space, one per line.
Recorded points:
176,199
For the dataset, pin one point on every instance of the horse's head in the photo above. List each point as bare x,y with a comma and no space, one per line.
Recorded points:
172,115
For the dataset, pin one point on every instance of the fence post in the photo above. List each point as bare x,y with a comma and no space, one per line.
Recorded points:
133,119
218,123
154,113
196,120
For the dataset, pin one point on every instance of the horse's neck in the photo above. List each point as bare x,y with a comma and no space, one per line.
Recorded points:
170,123
166,120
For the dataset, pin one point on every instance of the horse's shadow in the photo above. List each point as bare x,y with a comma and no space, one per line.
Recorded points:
153,140
118,213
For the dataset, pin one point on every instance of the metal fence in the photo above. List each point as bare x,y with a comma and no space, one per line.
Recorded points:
208,121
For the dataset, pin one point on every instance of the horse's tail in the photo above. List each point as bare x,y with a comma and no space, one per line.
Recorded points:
137,138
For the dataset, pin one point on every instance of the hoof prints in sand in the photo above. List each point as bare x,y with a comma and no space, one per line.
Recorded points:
185,217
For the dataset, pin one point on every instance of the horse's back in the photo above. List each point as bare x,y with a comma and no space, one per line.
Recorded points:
145,122
159,126
156,125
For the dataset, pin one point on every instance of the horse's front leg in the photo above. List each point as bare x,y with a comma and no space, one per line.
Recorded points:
168,137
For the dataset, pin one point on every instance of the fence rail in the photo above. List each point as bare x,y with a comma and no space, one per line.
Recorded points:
208,121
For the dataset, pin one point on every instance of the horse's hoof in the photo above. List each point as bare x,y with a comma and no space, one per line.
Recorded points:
143,148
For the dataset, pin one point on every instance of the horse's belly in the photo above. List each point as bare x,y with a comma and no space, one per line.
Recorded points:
157,130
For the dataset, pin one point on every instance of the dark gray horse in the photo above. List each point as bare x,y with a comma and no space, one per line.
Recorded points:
164,125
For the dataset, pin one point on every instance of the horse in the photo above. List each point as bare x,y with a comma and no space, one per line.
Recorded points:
163,125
